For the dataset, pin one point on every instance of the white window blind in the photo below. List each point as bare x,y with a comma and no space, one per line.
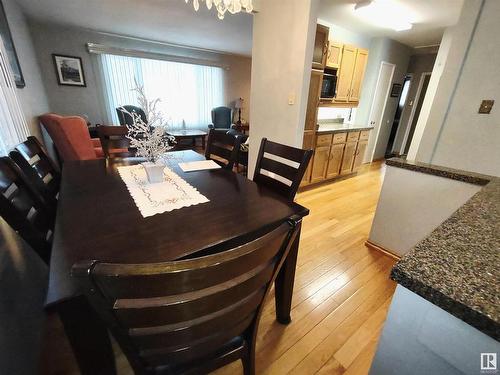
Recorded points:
188,92
13,127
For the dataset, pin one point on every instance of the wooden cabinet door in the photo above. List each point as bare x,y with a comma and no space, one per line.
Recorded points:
348,158
345,73
334,55
313,99
358,74
320,47
335,160
360,154
308,144
320,163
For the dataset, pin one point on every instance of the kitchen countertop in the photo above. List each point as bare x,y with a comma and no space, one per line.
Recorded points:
339,128
457,267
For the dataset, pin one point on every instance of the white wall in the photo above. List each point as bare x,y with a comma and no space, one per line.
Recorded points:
467,70
283,39
412,205
32,97
54,38
339,34
388,50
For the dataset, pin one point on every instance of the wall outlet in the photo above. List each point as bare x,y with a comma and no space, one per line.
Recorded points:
486,106
291,99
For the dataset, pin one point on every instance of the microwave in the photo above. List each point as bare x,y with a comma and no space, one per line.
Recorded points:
328,86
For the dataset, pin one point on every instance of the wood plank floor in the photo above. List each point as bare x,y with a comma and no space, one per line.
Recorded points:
341,295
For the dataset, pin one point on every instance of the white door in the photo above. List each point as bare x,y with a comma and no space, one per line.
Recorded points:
380,98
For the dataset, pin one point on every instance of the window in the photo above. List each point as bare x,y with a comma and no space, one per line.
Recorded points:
187,92
13,127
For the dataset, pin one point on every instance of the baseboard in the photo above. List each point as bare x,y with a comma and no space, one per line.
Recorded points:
373,246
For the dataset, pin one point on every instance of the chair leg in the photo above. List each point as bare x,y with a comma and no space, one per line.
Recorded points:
248,361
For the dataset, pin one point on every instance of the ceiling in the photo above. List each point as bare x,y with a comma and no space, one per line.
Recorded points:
171,21
431,18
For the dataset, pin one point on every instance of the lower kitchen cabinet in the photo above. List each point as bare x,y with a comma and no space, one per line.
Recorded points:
335,160
320,163
348,160
360,153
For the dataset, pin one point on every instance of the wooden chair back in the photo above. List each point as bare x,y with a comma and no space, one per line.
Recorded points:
23,208
39,168
281,167
223,148
192,315
114,142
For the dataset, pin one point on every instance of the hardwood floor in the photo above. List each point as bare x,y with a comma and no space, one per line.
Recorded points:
341,295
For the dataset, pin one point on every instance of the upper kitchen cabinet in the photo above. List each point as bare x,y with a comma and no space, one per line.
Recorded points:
358,74
334,55
345,74
320,47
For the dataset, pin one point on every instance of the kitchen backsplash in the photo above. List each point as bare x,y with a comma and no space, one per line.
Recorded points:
333,114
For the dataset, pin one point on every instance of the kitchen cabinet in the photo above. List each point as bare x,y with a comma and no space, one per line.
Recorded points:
335,160
308,144
320,47
320,163
313,99
334,55
358,74
345,73
360,153
348,158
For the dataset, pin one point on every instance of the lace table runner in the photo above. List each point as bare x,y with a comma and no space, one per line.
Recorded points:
152,199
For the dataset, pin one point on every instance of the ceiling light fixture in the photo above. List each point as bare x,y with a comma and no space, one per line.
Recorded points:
223,6
384,13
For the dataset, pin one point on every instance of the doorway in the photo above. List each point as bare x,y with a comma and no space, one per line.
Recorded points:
412,121
397,117
379,103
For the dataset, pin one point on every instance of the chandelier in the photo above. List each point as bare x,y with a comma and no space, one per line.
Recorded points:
223,6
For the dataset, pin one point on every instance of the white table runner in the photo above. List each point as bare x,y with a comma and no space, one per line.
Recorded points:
152,199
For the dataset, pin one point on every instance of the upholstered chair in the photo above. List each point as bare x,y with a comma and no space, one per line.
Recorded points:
125,118
222,118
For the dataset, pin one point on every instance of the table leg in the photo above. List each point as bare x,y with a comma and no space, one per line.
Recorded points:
284,283
88,337
203,141
194,141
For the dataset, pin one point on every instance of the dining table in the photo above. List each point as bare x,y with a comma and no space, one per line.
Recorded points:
97,219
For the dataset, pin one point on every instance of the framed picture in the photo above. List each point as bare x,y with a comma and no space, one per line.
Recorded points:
69,70
9,47
396,90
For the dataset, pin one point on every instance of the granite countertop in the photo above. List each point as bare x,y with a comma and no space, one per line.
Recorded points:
457,267
339,128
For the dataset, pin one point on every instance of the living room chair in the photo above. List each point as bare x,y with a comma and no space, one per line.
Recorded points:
71,137
282,176
189,316
125,119
222,148
39,169
114,142
222,118
23,208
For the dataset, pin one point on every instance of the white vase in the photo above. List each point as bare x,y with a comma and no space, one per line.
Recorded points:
154,171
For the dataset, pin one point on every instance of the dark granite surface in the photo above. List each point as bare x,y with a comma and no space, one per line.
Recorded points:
328,129
457,267
454,174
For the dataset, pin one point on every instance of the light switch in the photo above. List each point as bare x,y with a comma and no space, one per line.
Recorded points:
486,106
291,99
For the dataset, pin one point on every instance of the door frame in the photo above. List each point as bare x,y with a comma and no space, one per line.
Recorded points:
405,108
381,116
413,110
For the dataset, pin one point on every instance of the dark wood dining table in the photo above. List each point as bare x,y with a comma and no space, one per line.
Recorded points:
97,219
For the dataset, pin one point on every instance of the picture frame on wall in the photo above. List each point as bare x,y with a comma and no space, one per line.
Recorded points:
396,90
69,70
8,43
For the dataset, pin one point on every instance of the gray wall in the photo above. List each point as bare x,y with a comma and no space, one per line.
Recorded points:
418,64
53,38
388,50
32,97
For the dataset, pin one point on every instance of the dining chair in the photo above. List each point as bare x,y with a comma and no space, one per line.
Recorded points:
38,167
281,167
114,141
23,208
222,148
189,316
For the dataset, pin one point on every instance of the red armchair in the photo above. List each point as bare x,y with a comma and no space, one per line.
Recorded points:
71,137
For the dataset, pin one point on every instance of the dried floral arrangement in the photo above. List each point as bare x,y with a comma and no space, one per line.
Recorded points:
149,138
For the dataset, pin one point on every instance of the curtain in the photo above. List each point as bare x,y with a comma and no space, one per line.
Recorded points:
187,92
13,127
